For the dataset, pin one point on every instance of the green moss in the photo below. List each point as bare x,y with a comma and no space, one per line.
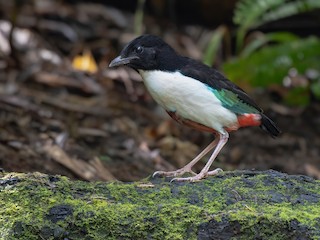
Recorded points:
243,204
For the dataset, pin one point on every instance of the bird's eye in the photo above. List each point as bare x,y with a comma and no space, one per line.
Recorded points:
139,49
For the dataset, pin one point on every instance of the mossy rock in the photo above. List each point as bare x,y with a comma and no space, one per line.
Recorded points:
233,205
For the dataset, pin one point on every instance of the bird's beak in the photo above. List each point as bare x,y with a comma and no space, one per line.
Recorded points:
118,61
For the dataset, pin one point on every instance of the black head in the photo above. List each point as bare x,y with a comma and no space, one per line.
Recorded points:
147,52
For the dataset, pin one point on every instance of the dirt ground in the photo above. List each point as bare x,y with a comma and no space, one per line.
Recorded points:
103,125
112,136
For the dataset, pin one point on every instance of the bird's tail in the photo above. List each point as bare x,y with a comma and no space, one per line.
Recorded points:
269,126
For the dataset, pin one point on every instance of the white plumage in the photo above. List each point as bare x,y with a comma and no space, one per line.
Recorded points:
189,98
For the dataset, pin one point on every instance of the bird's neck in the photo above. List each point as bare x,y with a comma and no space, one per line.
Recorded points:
171,62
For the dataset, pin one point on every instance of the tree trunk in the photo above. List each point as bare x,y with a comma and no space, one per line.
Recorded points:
239,205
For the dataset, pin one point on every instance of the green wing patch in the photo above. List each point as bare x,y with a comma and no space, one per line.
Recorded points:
232,101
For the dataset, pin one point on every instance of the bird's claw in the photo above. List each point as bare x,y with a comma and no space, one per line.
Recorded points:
214,172
157,173
176,173
197,177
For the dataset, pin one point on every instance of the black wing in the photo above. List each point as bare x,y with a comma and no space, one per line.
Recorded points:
234,97
215,80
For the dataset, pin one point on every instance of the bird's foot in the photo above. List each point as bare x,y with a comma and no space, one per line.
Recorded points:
214,172
176,173
198,177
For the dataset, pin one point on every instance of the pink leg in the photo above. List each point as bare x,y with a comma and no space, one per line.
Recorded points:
187,168
223,138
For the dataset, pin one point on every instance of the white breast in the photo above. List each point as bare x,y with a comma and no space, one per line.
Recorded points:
190,99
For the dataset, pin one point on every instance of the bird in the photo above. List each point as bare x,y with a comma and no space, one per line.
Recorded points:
193,94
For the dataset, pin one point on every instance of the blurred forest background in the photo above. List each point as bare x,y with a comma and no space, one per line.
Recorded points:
63,111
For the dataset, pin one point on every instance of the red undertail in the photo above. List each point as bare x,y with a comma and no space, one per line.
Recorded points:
249,119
